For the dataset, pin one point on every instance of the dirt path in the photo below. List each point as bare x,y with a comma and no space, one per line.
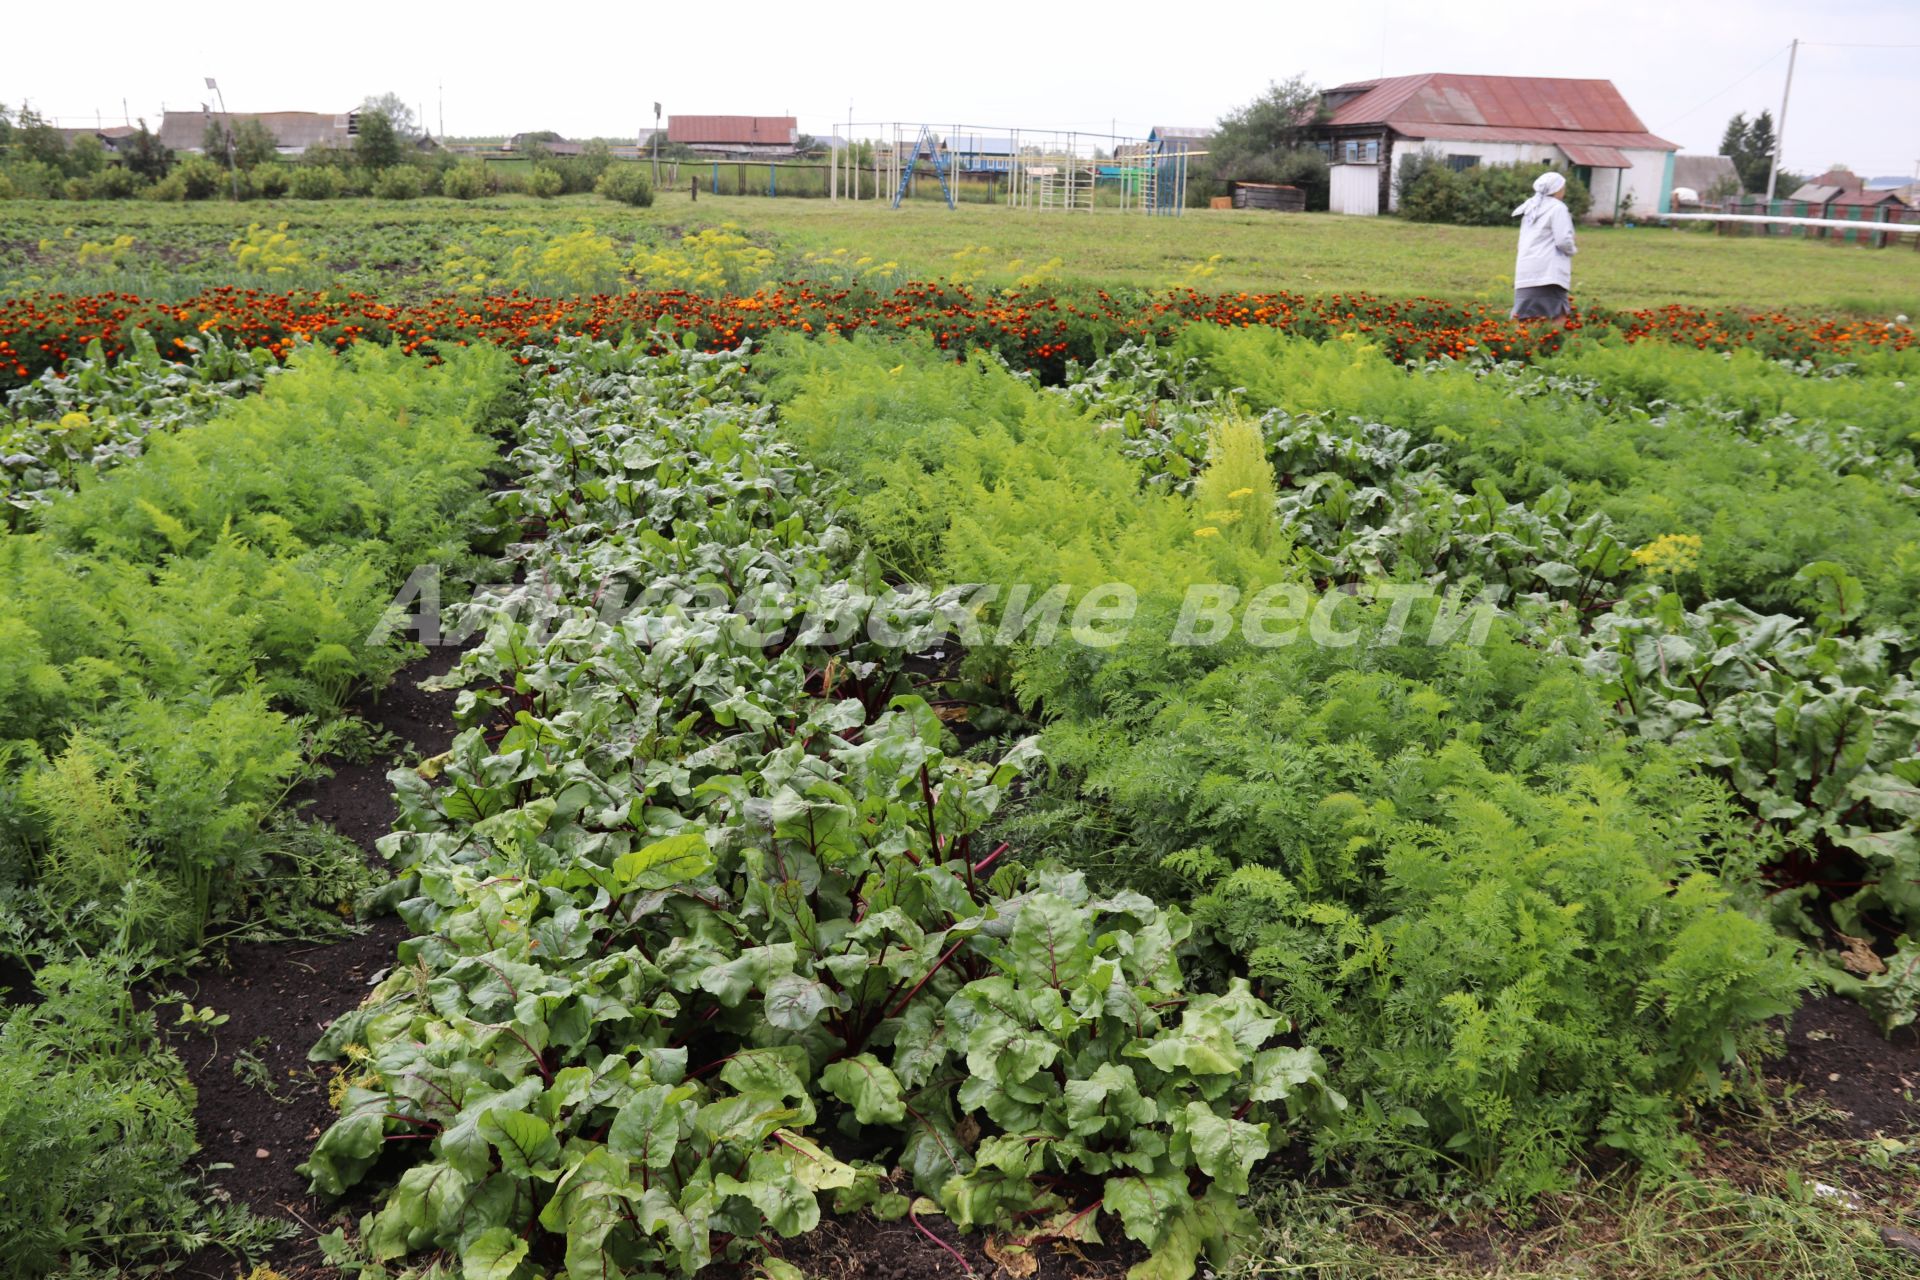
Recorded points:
256,1128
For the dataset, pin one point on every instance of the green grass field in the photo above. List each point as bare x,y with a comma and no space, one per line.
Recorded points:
182,246
1330,253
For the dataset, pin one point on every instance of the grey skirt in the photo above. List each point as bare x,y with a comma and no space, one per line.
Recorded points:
1540,302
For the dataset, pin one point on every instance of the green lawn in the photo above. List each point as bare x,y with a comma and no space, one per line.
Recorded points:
402,245
1329,253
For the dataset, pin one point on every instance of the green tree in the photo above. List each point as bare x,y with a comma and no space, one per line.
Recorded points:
86,156
253,144
36,139
1260,141
1749,144
144,155
1758,152
376,145
1733,141
216,142
398,114
595,156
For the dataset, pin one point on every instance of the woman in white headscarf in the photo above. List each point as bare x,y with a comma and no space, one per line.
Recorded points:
1543,271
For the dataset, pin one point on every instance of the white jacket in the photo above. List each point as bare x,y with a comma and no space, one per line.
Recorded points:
1546,244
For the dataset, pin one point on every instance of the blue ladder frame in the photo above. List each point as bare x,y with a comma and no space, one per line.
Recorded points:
925,144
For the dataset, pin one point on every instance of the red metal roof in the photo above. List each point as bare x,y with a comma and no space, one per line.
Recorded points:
1496,109
1594,157
753,131
1867,198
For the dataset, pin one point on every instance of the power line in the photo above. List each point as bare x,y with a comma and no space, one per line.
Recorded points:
1773,58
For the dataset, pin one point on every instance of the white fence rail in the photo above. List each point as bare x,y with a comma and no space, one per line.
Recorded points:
1866,226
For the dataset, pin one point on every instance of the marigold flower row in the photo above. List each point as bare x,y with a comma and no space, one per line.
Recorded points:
1039,330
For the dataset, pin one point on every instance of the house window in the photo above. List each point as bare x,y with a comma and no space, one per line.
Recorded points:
1360,151
1460,164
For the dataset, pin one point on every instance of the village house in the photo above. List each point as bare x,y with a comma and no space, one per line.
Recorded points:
1582,126
294,132
1704,179
736,135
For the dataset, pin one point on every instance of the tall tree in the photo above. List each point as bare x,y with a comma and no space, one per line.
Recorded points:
1733,143
39,140
253,143
1759,151
1262,141
145,156
398,114
1749,144
217,142
376,145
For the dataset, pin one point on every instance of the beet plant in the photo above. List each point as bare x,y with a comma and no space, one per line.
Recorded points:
701,898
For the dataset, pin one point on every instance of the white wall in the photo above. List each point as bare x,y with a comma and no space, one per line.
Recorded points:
1642,181
1354,188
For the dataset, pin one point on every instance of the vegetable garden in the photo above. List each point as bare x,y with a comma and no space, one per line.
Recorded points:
1083,778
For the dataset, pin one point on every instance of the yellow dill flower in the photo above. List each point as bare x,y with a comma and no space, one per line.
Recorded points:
1238,494
1670,554
1206,531
75,421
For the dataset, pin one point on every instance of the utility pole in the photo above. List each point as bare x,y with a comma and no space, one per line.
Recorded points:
1780,128
656,146
226,127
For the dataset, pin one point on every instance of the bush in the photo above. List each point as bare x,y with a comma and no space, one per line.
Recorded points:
627,183
196,178
397,182
314,182
76,189
271,180
116,183
1483,196
34,179
1428,192
467,180
6,187
544,183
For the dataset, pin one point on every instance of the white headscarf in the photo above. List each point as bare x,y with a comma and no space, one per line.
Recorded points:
1543,188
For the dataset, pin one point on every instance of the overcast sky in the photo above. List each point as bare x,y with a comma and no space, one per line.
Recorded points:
586,69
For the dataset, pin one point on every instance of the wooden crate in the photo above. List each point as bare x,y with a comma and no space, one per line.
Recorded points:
1267,195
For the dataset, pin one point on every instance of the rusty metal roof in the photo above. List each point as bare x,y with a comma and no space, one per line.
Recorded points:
746,131
1867,198
1495,109
1595,157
